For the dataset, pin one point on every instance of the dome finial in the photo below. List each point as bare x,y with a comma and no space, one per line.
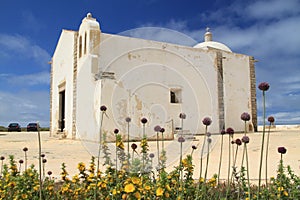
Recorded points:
89,15
208,35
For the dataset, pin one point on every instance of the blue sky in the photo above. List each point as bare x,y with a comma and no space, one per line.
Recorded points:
266,29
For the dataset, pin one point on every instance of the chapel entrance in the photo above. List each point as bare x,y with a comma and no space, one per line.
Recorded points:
61,120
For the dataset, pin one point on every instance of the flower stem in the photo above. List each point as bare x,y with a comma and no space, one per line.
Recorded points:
229,160
220,162
262,144
40,164
202,152
128,154
157,146
267,151
247,165
98,156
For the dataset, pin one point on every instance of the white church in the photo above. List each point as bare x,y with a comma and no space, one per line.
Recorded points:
139,78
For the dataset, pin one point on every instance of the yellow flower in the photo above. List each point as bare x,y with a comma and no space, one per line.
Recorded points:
285,193
103,185
11,184
24,196
50,188
36,188
137,195
129,188
135,180
81,166
147,187
159,191
120,144
280,189
114,192
185,162
167,195
174,181
75,178
124,196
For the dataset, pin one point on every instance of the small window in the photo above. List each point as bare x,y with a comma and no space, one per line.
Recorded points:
175,95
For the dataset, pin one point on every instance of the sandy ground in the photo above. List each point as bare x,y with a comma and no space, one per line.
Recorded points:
72,152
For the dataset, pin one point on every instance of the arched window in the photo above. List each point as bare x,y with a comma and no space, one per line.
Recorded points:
85,42
80,46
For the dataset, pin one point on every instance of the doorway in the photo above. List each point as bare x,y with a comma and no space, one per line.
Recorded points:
61,120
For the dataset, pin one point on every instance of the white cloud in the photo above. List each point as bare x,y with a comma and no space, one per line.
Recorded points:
273,9
30,79
23,47
24,106
27,80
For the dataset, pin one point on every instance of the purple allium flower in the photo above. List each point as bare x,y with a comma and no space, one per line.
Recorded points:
144,120
194,147
206,121
245,116
271,119
264,86
157,128
282,150
43,155
230,131
21,161
162,130
209,140
133,146
103,108
151,155
128,119
182,115
181,139
232,142
2,158
223,132
25,149
245,139
49,173
238,142
44,160
116,131
208,134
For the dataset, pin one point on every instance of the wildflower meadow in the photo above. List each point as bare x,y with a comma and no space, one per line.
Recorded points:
132,175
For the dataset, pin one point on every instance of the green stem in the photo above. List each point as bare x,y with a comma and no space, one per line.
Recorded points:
98,156
202,152
247,165
220,163
267,151
229,160
207,159
262,145
40,164
128,154
157,146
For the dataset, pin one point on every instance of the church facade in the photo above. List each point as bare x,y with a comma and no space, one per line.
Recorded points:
139,78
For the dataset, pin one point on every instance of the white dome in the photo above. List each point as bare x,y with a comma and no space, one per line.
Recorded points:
212,44
209,43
